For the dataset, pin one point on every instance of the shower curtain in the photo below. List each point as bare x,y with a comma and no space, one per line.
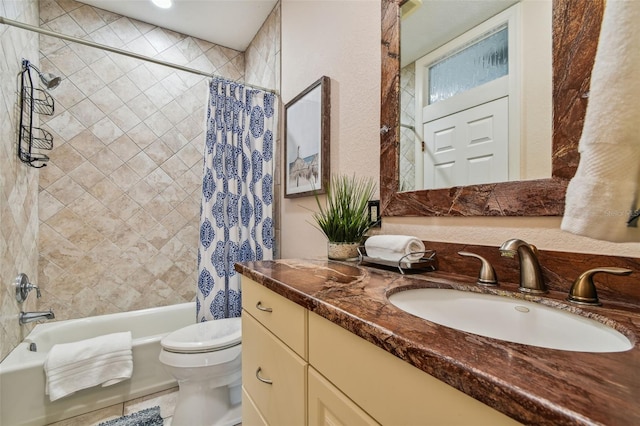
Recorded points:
236,222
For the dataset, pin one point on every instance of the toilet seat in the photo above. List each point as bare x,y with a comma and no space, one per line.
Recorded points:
209,336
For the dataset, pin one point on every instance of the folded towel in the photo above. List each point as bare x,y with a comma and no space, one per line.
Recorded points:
394,247
83,366
103,360
606,187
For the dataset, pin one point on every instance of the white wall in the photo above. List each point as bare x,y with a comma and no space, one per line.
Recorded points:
341,39
536,112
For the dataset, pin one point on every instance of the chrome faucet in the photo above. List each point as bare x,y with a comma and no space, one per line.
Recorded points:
530,272
27,317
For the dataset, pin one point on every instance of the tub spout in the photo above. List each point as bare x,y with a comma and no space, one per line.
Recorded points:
27,317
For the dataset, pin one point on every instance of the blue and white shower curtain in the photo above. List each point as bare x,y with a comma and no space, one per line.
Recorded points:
236,219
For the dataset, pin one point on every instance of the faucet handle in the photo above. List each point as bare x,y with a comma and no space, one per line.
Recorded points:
583,289
487,275
23,287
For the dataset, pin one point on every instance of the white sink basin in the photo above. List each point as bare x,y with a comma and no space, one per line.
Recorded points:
513,320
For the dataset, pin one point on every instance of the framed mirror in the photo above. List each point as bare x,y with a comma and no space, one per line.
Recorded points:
473,76
575,31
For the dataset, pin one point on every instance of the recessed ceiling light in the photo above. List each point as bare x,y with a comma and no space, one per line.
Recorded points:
164,4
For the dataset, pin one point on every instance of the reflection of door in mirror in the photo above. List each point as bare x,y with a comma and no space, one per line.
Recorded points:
493,61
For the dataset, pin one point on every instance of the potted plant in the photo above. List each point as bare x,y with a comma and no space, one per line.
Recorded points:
344,219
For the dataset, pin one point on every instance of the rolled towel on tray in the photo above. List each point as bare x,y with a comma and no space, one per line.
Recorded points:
394,247
103,360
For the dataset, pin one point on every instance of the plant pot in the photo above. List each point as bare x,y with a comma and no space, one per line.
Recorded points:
342,251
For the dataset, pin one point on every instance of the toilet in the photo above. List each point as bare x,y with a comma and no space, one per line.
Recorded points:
205,359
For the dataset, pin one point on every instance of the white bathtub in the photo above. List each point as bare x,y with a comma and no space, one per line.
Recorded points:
22,379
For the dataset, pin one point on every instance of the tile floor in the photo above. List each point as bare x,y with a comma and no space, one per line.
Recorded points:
165,399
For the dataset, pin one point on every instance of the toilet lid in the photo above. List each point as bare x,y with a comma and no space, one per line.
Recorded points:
206,336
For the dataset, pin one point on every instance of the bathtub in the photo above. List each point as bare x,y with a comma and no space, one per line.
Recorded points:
22,378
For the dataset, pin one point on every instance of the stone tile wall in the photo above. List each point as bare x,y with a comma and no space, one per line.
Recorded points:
18,182
407,136
120,199
262,59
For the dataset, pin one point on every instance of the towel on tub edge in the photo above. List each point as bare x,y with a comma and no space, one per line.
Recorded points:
103,360
394,247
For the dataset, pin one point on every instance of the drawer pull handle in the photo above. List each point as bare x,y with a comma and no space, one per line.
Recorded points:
262,308
267,381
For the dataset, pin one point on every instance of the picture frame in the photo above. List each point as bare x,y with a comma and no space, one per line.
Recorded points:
307,140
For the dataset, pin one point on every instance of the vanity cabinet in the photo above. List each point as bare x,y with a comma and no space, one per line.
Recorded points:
323,374
274,366
389,389
250,413
273,375
329,406
282,317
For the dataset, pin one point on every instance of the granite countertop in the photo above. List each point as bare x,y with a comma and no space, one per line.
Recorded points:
530,384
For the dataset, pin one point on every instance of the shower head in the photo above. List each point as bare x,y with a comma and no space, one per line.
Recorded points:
49,80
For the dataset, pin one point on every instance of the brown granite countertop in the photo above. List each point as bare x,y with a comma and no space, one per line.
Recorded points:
530,384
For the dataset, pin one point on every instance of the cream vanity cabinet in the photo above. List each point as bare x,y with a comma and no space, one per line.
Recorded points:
274,358
301,369
329,406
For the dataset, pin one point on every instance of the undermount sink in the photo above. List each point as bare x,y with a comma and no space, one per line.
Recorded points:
512,320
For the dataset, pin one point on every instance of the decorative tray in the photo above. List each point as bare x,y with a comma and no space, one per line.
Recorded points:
428,262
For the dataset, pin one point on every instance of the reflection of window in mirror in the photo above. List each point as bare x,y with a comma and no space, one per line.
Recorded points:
494,122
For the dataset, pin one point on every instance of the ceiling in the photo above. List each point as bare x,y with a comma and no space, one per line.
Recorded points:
234,23
229,23
432,23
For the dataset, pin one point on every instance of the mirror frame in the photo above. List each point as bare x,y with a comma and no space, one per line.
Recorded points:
576,29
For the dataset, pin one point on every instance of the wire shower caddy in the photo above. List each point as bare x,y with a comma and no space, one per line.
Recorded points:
33,139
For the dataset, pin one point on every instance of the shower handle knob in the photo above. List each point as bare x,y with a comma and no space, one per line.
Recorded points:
23,287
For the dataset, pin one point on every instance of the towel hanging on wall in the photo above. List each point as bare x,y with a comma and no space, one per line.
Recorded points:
606,188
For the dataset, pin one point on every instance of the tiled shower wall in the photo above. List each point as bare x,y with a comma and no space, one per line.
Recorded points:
407,136
18,182
262,67
120,198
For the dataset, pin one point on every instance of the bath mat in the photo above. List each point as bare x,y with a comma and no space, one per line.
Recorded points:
147,417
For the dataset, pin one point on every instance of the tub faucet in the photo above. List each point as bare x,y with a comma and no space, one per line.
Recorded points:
27,317
530,273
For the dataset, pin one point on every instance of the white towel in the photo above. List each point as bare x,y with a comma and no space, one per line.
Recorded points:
394,247
606,187
103,360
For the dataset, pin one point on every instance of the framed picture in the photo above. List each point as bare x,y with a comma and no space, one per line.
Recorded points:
306,141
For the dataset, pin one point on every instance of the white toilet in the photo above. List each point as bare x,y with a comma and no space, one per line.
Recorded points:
205,359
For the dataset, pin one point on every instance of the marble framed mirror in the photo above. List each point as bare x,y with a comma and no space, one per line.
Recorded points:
575,27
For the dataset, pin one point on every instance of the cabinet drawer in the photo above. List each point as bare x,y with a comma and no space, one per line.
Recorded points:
389,389
329,406
283,401
281,316
250,414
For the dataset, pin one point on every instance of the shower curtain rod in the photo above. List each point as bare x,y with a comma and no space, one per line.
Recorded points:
28,27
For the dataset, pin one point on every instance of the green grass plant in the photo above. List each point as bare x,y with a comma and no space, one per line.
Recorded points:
345,216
